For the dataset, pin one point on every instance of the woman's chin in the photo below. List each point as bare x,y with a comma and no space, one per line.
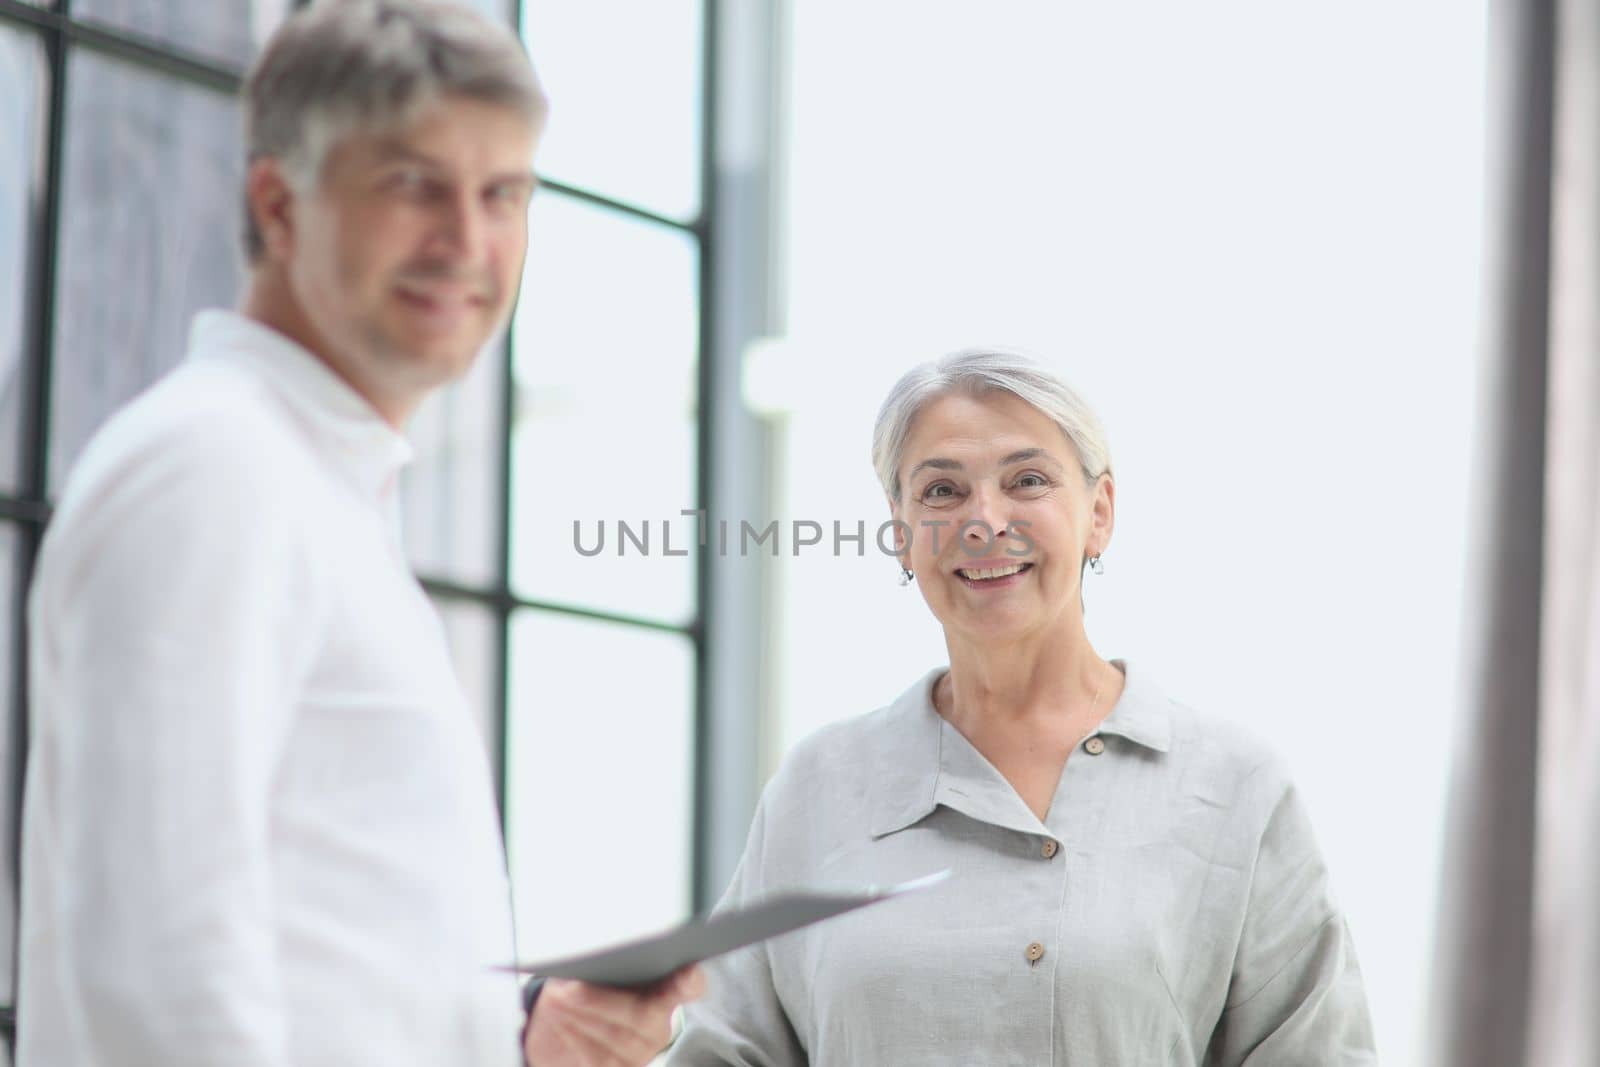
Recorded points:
996,623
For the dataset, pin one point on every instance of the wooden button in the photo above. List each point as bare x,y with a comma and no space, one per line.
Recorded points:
1048,849
1035,952
1094,746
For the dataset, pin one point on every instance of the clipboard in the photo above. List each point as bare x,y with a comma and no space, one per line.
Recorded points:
648,960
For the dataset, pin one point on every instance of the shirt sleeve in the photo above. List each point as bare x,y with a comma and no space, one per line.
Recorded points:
1296,994
174,628
740,1021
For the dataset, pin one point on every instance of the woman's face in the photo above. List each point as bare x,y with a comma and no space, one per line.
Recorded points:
998,516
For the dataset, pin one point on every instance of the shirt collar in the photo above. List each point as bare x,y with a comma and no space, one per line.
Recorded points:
1143,714
909,753
930,764
362,448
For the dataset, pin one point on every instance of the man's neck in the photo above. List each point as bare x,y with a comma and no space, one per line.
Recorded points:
269,300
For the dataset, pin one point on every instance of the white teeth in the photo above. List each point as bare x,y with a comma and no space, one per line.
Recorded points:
998,572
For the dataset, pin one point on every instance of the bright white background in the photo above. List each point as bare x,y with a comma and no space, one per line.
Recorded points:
1249,232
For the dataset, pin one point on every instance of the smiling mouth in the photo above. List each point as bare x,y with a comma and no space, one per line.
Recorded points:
441,300
992,574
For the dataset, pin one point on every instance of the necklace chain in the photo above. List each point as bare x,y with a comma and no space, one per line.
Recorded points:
1095,703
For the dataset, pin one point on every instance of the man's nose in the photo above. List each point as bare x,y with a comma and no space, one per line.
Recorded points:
461,227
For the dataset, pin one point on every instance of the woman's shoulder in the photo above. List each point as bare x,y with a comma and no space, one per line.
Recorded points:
848,750
1218,755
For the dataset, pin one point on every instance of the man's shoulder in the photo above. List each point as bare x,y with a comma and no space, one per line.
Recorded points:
203,443
203,426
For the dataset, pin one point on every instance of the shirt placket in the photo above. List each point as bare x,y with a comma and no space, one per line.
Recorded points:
1075,811
1034,888
1032,883
1044,952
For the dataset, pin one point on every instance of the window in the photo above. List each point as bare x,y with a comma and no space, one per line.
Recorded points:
605,426
118,219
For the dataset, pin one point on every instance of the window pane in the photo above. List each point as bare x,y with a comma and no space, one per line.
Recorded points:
219,30
500,10
225,31
599,784
150,225
23,84
624,86
450,493
605,374
470,629
10,653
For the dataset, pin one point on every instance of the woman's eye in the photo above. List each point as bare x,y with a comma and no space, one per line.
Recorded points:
938,491
1031,481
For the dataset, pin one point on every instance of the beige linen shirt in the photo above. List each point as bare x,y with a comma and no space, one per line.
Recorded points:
1173,907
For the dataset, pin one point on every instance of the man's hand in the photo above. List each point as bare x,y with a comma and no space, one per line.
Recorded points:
579,1025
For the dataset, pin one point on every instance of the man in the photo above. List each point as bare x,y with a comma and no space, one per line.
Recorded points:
259,828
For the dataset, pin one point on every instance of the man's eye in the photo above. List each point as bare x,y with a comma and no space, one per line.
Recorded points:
410,182
506,196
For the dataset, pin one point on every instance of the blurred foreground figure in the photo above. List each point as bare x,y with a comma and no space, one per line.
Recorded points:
259,827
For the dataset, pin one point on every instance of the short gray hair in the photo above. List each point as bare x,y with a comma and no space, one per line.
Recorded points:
343,65
977,371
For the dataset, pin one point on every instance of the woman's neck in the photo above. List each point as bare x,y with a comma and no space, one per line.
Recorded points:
1057,678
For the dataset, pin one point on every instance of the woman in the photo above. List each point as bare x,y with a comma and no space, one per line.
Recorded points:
1133,882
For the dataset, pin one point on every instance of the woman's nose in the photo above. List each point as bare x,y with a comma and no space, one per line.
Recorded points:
987,517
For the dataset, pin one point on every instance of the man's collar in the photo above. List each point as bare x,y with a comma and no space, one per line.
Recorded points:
356,440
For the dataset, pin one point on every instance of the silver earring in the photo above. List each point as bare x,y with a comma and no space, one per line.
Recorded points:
1095,564
906,576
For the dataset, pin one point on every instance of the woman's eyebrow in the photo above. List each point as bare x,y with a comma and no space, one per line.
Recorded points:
1020,456
1027,454
937,463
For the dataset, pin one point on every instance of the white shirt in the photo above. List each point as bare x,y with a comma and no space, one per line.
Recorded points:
259,828
1171,909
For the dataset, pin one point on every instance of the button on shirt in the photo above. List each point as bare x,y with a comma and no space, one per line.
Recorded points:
1182,917
259,827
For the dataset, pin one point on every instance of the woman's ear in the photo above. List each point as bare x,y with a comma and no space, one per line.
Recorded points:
1103,514
902,540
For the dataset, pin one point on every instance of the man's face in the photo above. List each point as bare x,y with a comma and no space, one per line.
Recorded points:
406,257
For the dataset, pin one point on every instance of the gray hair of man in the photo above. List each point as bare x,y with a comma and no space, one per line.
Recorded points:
976,371
340,66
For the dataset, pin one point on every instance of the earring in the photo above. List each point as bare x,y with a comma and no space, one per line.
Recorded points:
1095,564
906,576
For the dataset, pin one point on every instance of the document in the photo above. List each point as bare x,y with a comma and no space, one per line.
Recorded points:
650,959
